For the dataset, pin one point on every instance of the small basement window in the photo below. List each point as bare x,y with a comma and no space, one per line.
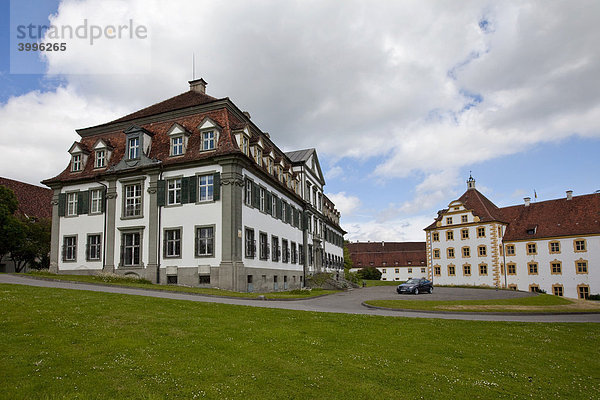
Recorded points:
172,279
204,279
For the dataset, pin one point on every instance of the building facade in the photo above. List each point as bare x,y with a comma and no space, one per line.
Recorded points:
191,191
551,246
397,261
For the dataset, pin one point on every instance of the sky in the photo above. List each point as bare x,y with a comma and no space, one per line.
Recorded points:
402,99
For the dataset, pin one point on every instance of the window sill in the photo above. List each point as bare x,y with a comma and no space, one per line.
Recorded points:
135,217
139,266
174,205
204,256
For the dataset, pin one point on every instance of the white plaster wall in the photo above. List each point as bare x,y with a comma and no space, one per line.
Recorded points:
403,274
188,216
260,221
80,225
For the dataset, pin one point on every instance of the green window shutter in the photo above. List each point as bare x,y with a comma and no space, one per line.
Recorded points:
160,193
83,200
269,200
279,206
304,220
103,200
255,195
289,214
62,204
217,186
193,184
185,190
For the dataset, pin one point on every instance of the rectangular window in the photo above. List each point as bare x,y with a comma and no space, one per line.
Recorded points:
483,269
422,270
579,245
263,246
435,236
532,268
451,270
481,231
437,270
449,235
133,200
464,233
100,158
274,248
250,243
94,247
294,253
134,148
205,241
70,248
512,268
258,156
581,267
531,248
510,249
96,201
556,268
172,243
72,203
177,146
270,165
205,183
76,165
300,254
262,194
450,252
466,270
274,206
554,247
310,255
174,191
208,140
245,145
285,251
248,193
464,219
557,290
284,211
436,253
466,252
131,249
583,291
410,270
448,220
482,251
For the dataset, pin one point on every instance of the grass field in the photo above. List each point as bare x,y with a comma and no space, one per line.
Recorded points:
58,343
542,303
122,281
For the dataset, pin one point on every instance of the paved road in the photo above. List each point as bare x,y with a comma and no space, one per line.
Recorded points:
343,302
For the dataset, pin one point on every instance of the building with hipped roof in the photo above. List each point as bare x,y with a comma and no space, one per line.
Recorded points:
397,261
191,191
553,245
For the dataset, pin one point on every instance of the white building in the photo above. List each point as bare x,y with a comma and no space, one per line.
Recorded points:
190,191
552,246
397,261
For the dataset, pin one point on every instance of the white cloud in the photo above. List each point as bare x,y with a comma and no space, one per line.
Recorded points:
396,230
346,205
334,172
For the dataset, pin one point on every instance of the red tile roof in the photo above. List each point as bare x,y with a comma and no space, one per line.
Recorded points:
552,218
402,253
34,201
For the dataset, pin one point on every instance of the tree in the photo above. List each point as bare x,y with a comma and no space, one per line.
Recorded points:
371,273
347,260
8,221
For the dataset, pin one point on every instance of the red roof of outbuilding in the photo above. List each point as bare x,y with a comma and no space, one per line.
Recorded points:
34,201
402,253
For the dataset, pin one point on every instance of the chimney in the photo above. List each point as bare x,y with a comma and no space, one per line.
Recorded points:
527,201
198,85
569,195
382,243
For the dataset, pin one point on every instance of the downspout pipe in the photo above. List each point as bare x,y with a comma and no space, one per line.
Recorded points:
158,244
104,229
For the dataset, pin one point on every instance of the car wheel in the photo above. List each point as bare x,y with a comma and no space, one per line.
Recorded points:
416,290
431,290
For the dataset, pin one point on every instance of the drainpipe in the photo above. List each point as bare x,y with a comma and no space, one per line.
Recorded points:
158,244
104,229
504,261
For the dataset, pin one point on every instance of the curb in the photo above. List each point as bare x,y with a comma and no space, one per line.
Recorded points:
43,278
364,304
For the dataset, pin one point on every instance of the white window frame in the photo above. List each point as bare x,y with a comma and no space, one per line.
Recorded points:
96,201
133,200
133,148
70,249
208,241
135,248
177,146
208,140
173,241
76,163
205,187
100,158
97,246
72,203
174,189
262,195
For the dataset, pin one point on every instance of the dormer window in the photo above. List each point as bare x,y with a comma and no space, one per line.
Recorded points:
245,145
270,165
280,174
76,163
258,156
100,159
177,146
208,140
134,148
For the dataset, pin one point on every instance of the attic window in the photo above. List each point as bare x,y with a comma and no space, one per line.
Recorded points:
76,163
245,145
258,156
531,231
177,146
134,148
100,158
208,140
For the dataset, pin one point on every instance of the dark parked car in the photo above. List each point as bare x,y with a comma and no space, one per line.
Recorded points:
415,286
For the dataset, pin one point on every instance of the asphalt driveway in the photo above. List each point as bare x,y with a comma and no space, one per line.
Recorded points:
349,302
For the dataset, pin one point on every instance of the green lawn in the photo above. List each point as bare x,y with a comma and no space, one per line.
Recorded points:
121,281
541,303
58,343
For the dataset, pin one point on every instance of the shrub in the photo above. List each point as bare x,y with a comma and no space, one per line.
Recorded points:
316,280
594,296
351,276
114,278
371,273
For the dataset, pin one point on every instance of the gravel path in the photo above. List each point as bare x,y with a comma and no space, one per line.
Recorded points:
349,302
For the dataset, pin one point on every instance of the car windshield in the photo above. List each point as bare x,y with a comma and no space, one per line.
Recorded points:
414,280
